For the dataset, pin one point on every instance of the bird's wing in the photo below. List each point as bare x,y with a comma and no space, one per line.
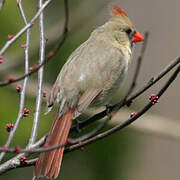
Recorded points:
85,100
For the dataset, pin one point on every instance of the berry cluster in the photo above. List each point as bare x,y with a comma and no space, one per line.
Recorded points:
154,99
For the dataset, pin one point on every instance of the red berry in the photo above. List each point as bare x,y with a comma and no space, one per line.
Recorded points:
26,112
46,38
23,160
82,148
1,59
133,114
69,141
50,54
10,79
44,93
5,147
23,45
32,68
17,149
18,88
9,127
153,98
10,36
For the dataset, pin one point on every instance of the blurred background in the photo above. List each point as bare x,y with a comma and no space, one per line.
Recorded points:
148,149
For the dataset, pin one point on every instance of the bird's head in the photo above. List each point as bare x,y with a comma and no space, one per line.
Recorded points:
123,25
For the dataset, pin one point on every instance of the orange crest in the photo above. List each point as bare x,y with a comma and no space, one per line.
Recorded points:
116,10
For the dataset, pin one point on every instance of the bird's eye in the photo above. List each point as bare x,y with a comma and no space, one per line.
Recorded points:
128,31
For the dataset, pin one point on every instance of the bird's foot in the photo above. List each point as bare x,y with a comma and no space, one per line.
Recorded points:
108,110
77,122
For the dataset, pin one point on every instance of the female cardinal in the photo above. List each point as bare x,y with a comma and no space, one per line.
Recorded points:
91,76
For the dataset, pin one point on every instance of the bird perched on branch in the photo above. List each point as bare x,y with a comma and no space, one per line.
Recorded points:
90,77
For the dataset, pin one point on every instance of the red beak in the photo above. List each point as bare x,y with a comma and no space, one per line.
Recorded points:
137,37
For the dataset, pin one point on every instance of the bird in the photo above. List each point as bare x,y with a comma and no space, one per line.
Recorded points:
91,76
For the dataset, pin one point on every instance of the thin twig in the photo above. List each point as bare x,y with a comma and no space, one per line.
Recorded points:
23,92
31,150
24,29
40,79
19,4
153,80
50,54
34,149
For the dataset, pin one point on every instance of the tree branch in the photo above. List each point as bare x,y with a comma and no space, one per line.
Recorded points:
24,29
23,91
50,54
40,79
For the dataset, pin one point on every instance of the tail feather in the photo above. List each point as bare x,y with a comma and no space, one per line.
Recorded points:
53,167
54,139
59,160
56,164
49,163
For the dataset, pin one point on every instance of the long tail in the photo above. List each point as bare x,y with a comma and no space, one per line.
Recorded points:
49,163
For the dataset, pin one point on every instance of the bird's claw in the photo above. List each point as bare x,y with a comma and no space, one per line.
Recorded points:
77,122
108,110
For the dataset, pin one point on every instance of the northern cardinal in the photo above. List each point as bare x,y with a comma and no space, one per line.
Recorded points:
91,76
